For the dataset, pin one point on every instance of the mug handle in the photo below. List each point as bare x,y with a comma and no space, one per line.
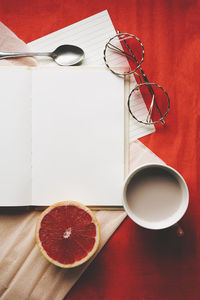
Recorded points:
179,230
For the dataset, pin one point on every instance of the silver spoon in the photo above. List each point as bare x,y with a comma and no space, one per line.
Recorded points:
65,55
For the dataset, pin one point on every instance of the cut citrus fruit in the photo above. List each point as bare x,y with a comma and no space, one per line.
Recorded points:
67,233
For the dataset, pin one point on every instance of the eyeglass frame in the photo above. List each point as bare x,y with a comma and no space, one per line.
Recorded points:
145,83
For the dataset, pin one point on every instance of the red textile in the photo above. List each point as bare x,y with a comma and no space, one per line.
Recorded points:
137,263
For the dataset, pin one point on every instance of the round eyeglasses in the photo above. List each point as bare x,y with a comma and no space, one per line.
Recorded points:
123,55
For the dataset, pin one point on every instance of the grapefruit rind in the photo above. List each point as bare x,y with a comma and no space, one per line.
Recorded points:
97,238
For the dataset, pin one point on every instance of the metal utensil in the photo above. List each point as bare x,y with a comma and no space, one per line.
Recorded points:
65,55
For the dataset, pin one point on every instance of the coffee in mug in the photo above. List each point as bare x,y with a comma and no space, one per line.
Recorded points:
155,196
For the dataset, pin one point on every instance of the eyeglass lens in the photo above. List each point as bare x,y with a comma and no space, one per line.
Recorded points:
120,56
156,102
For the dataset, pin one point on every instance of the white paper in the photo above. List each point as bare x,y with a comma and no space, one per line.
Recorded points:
91,35
78,137
62,136
15,137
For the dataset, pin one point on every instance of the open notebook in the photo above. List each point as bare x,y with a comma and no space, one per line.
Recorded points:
62,136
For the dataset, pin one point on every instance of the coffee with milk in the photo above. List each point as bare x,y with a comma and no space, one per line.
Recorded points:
154,194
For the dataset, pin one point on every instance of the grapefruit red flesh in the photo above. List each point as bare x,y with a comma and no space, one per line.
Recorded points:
67,233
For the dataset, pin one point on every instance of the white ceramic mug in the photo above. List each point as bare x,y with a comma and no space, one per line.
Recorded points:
142,218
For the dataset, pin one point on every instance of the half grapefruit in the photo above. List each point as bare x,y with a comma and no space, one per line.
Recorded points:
67,233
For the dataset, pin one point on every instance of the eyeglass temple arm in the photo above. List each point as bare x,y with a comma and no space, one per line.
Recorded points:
153,96
149,87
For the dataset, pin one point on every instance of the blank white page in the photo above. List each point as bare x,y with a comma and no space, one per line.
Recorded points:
15,137
77,136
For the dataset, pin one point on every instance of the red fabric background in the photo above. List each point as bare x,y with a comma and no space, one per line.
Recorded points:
137,263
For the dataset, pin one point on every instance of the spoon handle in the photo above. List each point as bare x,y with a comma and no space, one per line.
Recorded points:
18,54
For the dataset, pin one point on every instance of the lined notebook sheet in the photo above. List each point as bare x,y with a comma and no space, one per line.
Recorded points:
91,35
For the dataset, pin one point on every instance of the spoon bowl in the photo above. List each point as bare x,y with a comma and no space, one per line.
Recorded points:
68,55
